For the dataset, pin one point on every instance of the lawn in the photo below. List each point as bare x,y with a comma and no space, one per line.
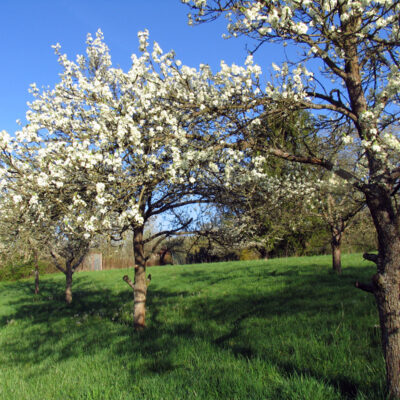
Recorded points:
278,329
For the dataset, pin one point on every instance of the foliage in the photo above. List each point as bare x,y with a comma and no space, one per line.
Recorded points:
19,269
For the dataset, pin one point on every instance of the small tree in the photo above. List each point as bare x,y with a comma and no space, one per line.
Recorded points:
72,249
339,203
35,215
18,239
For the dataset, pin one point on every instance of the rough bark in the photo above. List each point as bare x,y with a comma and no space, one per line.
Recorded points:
384,213
386,284
140,285
386,291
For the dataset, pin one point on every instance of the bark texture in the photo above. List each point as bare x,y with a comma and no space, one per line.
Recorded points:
386,290
384,211
140,285
386,284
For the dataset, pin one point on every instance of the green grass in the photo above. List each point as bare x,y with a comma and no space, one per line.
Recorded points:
281,329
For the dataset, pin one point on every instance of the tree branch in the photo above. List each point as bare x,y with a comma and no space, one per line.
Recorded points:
366,287
316,161
332,107
336,103
56,263
128,281
168,232
371,257
177,205
78,263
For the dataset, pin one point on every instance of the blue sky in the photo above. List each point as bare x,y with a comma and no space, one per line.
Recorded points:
29,28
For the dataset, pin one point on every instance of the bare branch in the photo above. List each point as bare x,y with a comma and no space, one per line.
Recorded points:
56,263
128,281
371,257
79,261
366,287
169,232
317,161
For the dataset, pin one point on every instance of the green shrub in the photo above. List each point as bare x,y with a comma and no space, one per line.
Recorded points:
249,254
20,269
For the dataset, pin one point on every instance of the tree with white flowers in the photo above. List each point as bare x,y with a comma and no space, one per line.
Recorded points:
259,213
35,217
347,72
117,149
19,240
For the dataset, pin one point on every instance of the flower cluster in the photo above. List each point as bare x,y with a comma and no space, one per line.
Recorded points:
106,149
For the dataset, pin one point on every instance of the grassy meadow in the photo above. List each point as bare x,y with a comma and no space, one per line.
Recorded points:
277,329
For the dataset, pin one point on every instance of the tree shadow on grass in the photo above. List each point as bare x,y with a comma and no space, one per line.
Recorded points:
96,320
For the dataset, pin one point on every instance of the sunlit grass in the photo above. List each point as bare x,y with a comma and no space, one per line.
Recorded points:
281,329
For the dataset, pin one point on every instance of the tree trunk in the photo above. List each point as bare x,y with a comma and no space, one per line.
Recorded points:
263,252
140,284
36,279
386,290
336,251
386,284
36,273
68,285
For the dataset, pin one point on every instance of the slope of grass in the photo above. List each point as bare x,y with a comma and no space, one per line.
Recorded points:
281,329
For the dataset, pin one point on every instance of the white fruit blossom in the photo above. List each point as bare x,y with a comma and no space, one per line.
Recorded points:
120,142
36,217
311,25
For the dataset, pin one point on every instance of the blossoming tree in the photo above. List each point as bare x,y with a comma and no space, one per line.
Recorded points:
130,146
257,213
355,44
16,236
36,215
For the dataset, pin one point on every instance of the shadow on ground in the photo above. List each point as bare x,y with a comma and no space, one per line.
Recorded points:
109,312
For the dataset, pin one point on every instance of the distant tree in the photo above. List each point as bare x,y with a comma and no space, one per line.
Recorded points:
280,209
361,235
339,203
19,240
68,254
259,213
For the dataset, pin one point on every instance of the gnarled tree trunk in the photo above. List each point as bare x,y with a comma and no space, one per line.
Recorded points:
386,291
386,283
